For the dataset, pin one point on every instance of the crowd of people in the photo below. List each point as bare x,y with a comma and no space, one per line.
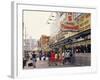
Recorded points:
53,57
56,58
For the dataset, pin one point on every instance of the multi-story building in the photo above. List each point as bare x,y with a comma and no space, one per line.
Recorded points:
30,44
43,43
77,42
83,35
82,20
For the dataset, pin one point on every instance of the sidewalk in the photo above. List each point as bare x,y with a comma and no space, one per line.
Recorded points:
44,64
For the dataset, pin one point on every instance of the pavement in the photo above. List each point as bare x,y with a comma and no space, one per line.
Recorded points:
44,64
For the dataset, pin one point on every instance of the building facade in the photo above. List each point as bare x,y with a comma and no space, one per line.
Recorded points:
77,41
83,21
43,43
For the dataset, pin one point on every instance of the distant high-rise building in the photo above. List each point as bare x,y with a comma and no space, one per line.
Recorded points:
29,44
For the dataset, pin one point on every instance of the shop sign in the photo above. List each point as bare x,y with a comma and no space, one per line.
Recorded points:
68,24
70,17
69,27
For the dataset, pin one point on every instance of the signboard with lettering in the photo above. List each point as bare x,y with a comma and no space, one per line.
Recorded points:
69,27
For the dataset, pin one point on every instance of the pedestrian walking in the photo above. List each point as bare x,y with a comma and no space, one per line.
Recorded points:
52,58
24,62
44,56
56,59
49,56
72,57
60,58
34,59
40,55
67,57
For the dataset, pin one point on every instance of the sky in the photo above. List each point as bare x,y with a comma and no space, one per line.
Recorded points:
35,23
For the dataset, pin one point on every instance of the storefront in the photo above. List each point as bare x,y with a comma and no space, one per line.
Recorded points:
80,42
